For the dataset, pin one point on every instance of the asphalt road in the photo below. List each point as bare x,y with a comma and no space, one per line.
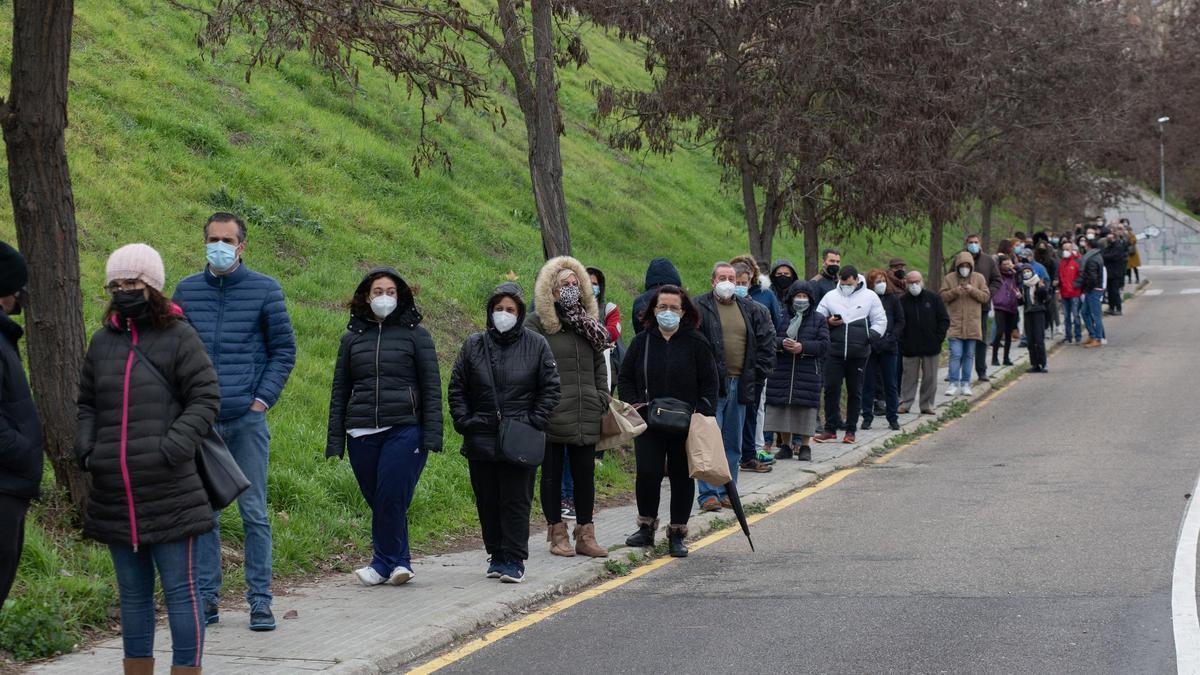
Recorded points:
1036,534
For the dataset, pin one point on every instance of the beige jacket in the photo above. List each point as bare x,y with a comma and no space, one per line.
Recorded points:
965,299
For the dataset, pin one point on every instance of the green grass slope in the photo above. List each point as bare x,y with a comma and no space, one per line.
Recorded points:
161,137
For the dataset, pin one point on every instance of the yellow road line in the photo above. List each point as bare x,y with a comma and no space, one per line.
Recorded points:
493,636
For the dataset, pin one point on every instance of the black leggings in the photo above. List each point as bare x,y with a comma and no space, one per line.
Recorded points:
1035,338
583,472
1006,323
12,538
653,451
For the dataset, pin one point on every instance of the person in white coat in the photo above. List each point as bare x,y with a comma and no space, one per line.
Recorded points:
856,320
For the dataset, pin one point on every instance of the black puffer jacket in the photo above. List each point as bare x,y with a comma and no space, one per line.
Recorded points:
682,367
523,367
20,433
386,374
145,489
797,378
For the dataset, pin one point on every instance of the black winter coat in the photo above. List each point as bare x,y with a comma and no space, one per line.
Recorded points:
682,368
528,388
20,432
926,323
386,375
889,342
145,489
797,378
760,343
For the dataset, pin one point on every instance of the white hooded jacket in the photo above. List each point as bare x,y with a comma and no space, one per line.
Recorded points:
862,303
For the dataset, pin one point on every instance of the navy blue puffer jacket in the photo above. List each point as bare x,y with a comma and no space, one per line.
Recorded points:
242,319
796,379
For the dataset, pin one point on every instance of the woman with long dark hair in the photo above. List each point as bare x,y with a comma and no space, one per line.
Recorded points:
386,408
138,437
670,358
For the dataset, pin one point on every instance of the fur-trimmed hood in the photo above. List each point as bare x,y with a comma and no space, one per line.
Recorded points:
544,298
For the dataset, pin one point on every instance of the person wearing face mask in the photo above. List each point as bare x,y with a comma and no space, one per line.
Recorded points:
856,321
509,367
966,294
670,358
783,273
885,354
926,322
243,321
385,407
794,387
1091,282
743,342
1005,302
1068,272
20,431
138,437
827,279
753,441
660,272
566,314
1116,260
1132,272
899,271
1034,297
985,266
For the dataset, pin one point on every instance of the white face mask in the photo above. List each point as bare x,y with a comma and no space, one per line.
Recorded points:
881,288
724,289
964,271
914,289
383,305
846,290
1066,254
503,321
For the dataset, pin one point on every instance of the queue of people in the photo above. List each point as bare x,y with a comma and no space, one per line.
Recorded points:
766,354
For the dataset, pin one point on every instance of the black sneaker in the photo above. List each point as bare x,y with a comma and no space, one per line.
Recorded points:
212,613
894,425
866,423
804,454
568,509
785,452
495,567
261,618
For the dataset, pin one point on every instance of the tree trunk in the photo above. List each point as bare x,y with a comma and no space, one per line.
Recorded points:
985,222
1031,217
936,263
34,120
812,254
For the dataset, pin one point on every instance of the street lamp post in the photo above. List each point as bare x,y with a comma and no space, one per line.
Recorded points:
1162,181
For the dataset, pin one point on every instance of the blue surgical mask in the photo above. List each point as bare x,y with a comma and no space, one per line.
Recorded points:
741,291
595,291
973,248
667,320
221,256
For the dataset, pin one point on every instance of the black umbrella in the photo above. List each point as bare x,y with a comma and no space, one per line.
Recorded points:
736,502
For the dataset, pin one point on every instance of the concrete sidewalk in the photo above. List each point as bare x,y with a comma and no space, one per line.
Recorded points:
339,626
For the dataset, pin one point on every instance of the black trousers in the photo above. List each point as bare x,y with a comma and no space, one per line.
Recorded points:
503,497
1116,284
654,452
1035,338
838,369
583,472
981,346
12,540
1006,323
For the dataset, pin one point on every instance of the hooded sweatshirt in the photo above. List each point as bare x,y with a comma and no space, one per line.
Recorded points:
661,272
965,298
781,293
609,311
863,320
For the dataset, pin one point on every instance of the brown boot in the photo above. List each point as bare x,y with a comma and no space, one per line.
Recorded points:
185,670
559,543
585,542
143,666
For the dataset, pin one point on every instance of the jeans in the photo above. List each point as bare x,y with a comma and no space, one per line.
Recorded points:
962,353
731,415
838,370
654,450
503,497
752,433
249,442
568,483
387,466
135,582
583,475
12,540
1092,315
887,365
1073,320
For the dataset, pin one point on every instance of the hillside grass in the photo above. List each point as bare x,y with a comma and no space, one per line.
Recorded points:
160,137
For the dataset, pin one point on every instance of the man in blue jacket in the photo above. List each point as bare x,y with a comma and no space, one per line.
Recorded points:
20,433
241,317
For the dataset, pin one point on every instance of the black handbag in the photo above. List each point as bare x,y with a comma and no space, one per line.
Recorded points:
219,472
518,442
665,414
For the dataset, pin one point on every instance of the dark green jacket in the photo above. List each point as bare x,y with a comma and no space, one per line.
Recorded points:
584,380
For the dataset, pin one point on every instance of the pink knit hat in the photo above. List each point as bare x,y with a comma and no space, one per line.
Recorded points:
136,261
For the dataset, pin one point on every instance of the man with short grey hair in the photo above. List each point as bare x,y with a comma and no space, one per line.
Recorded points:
926,322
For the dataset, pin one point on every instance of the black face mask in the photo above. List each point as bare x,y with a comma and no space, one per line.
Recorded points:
900,274
832,270
21,297
130,304
781,282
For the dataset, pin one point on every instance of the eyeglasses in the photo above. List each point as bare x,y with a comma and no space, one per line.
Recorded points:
668,308
125,285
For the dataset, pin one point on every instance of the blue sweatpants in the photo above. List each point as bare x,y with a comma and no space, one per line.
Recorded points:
387,466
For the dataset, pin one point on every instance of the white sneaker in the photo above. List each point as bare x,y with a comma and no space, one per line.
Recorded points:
966,390
953,390
1103,341
400,575
368,576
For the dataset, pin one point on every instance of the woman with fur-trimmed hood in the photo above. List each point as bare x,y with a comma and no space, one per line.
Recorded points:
566,314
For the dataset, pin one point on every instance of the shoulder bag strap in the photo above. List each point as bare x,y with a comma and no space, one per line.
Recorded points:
153,369
487,353
646,367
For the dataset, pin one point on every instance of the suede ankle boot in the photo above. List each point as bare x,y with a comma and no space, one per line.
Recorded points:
585,542
560,544
185,670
